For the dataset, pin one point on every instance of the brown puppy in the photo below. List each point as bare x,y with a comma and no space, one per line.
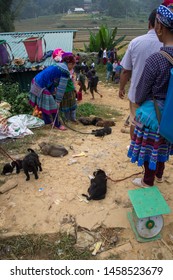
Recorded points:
104,123
89,121
52,150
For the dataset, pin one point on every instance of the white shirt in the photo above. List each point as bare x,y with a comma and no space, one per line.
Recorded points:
114,66
104,53
138,51
93,64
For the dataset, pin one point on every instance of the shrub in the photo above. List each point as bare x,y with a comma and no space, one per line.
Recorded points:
10,93
104,38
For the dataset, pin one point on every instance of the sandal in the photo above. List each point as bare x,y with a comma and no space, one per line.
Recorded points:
61,127
139,183
159,180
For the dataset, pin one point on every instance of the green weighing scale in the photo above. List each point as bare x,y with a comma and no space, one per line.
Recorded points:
146,217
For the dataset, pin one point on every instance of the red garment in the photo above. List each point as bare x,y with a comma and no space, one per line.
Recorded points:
167,2
79,96
104,60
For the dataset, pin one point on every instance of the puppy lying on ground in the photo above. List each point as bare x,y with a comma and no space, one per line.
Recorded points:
31,163
9,167
89,121
102,132
104,123
53,150
98,186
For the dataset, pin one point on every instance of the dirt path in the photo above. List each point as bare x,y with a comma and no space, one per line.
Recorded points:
54,202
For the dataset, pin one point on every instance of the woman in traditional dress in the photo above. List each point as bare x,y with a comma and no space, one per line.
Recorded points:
148,147
48,88
68,104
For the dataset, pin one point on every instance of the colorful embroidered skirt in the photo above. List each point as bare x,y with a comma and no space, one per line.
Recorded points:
46,102
68,102
149,146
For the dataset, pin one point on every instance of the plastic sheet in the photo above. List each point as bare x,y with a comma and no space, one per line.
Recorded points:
19,126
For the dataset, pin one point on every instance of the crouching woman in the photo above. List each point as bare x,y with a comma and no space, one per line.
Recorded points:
48,88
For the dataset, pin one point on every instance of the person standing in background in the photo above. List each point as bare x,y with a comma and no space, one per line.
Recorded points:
78,58
89,75
112,56
104,56
99,56
93,84
92,64
118,70
133,63
109,69
81,81
114,65
77,69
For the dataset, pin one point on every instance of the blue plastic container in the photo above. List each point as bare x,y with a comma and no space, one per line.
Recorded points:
166,124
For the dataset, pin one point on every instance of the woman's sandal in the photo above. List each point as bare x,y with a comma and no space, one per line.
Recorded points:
139,183
61,127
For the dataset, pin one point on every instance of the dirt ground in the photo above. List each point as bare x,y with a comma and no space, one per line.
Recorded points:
54,203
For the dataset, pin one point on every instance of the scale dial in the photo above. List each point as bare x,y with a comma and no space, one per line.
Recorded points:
150,226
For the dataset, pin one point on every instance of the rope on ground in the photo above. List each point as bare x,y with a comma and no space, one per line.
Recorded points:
65,123
6,154
125,178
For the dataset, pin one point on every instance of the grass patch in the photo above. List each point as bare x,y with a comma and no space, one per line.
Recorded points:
20,145
88,109
42,247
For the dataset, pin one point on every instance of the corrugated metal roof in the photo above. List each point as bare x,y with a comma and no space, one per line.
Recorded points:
54,39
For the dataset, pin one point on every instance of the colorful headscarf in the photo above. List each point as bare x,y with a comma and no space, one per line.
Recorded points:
165,16
68,57
57,54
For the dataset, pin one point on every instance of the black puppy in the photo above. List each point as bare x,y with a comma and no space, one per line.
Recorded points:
9,167
102,132
31,163
98,187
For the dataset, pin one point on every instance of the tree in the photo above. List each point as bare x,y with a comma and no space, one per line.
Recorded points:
6,16
104,38
8,12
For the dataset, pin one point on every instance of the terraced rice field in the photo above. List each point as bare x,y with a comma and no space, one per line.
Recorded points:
129,27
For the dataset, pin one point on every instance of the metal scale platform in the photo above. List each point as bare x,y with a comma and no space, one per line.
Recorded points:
146,217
